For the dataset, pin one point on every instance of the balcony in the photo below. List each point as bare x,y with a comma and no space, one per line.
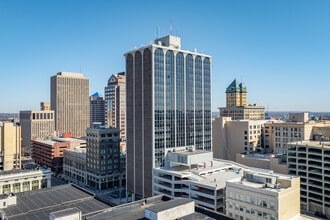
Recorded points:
181,194
164,176
315,176
314,151
315,190
315,196
204,200
302,155
315,164
315,170
315,157
315,183
292,160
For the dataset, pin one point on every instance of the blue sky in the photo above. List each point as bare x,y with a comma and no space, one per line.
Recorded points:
279,49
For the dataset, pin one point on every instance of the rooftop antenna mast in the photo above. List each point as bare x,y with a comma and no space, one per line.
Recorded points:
157,31
171,27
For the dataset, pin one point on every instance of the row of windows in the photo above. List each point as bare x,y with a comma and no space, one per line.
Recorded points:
42,116
253,200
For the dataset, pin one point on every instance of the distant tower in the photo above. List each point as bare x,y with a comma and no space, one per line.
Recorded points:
44,106
115,103
237,106
36,125
236,94
168,107
10,146
70,101
96,109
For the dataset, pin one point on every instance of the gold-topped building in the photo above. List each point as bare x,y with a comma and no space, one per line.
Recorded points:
237,106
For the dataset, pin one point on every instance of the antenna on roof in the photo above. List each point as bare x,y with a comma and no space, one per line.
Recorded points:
157,31
171,27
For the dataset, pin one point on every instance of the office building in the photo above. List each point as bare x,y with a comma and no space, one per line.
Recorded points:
115,105
228,187
36,125
311,161
49,153
168,107
74,165
24,180
10,146
96,109
298,127
231,137
70,101
263,196
103,158
237,106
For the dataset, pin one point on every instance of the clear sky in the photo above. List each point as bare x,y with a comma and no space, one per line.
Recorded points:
279,49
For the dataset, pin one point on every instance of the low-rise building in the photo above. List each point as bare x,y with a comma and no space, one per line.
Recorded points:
277,163
74,165
24,180
49,153
160,207
277,134
198,176
59,202
263,196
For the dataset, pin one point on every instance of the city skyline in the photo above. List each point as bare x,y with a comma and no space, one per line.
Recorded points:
280,50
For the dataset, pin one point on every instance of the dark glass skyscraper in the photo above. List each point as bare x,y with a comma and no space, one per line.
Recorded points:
168,107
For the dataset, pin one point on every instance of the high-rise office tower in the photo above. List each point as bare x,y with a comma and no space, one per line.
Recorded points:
115,104
70,100
168,107
96,109
10,146
36,125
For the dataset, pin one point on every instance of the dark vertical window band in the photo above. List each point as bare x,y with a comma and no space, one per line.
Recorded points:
190,119
170,104
159,107
207,104
147,115
130,118
198,103
180,107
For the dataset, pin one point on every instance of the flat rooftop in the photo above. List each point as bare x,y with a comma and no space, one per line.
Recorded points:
135,210
316,144
38,204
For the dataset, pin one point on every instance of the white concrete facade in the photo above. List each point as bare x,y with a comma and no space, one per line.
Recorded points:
24,180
